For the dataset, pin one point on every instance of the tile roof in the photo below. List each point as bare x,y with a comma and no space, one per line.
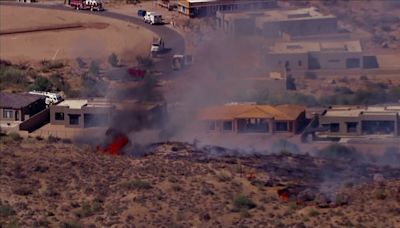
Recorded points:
17,100
241,111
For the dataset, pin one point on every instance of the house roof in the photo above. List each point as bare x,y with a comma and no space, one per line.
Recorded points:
312,46
243,111
356,111
17,100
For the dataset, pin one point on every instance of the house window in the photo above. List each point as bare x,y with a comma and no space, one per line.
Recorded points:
227,125
300,63
351,127
334,127
59,116
211,125
281,126
8,114
74,119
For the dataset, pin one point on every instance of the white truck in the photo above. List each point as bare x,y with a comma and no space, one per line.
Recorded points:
152,18
157,46
51,98
87,4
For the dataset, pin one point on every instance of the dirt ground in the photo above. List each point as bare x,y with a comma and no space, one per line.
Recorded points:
91,41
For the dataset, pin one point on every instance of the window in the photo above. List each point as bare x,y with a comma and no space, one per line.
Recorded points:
351,127
74,119
334,127
59,116
300,63
211,125
227,125
281,126
8,114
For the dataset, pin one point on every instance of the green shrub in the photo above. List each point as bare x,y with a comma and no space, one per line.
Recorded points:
80,62
94,68
51,65
313,213
113,60
337,151
137,184
283,146
6,210
242,202
15,136
41,84
223,176
380,194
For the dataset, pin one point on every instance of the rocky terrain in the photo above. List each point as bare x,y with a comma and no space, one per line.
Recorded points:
57,184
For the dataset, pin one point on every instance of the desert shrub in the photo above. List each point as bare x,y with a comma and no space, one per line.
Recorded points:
12,75
41,84
52,139
310,75
23,191
15,136
71,224
283,146
173,179
313,213
337,151
380,194
243,202
93,87
343,90
6,210
223,176
88,209
113,60
176,187
244,213
80,62
39,138
137,184
48,65
59,83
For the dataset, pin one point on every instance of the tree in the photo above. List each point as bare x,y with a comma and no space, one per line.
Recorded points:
113,60
41,84
94,68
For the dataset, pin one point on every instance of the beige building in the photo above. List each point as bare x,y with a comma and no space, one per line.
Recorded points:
278,23
243,118
342,121
198,8
315,55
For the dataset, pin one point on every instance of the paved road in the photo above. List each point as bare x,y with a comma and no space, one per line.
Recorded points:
173,40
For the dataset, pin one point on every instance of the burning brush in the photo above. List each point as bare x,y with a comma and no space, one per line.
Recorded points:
115,141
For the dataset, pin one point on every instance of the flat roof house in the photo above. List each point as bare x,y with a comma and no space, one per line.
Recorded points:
253,118
279,23
198,8
81,113
345,121
315,55
20,106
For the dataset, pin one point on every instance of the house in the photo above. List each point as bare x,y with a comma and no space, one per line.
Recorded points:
280,23
18,107
347,121
315,55
88,113
198,8
241,118
81,113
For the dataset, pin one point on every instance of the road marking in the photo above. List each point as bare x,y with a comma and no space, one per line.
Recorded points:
55,54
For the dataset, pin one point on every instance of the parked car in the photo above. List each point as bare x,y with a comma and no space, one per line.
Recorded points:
152,18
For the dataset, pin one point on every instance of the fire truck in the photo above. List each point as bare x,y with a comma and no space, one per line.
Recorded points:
87,4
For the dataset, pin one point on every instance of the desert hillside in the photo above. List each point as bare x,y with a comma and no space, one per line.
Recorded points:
57,184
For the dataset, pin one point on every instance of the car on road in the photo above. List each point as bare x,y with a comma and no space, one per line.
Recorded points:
141,13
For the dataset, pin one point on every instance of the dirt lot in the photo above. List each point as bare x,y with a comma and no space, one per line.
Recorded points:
98,38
